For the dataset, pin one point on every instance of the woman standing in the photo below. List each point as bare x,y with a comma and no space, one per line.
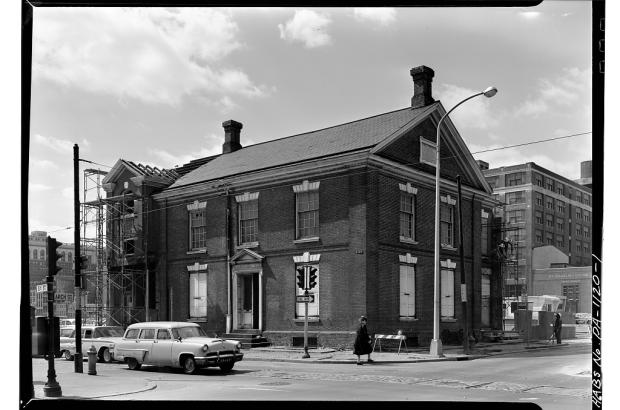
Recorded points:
362,341
557,328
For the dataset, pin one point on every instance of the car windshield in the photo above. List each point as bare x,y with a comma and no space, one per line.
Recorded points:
109,331
187,331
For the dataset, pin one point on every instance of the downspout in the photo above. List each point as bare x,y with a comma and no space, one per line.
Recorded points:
472,304
228,271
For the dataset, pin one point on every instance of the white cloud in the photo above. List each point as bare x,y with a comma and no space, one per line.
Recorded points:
43,164
38,187
564,162
475,113
155,55
212,145
68,192
530,15
55,144
308,27
572,87
532,108
379,15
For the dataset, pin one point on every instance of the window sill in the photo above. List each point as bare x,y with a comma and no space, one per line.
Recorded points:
305,240
448,247
248,245
197,319
448,320
408,240
408,319
310,320
196,251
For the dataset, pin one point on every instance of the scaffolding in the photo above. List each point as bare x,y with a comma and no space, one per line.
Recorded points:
509,267
111,284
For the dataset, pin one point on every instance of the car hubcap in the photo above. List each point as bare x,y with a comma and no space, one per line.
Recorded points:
189,365
106,356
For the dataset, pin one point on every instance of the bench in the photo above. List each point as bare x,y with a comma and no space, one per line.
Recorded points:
401,339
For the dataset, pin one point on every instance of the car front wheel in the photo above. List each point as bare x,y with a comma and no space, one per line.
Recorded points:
189,365
133,364
105,355
226,367
67,355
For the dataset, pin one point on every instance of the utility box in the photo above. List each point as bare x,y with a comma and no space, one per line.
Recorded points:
40,336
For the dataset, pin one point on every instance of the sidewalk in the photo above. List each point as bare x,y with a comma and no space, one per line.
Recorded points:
116,379
412,355
113,379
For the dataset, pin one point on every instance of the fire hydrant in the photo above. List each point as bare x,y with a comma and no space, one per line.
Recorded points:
92,360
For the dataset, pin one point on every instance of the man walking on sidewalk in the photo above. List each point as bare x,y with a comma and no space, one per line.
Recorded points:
557,328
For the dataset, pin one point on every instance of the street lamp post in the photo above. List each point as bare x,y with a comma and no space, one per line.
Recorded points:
436,347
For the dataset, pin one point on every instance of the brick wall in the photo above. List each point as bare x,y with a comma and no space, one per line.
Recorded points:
359,266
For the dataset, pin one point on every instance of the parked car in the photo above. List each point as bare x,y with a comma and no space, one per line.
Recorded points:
103,338
67,341
176,344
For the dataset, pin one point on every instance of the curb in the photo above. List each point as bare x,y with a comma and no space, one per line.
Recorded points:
149,386
352,361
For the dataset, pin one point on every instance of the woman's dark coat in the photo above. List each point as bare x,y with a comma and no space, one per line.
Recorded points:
362,342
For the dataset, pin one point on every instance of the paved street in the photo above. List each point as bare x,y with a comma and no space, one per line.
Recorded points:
554,378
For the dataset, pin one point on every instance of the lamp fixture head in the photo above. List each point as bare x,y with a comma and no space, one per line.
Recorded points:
490,92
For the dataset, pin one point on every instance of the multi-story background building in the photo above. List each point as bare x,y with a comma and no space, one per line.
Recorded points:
542,208
64,281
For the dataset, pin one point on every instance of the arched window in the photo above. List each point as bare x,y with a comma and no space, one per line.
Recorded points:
69,257
41,253
63,256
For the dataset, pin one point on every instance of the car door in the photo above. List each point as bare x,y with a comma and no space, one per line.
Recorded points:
145,344
87,341
161,350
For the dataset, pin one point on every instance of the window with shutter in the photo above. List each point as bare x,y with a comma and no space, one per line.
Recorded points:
447,293
407,291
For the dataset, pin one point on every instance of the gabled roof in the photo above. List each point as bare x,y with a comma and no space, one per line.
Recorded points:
352,136
165,175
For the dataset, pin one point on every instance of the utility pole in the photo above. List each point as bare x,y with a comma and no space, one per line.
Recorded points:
77,259
463,280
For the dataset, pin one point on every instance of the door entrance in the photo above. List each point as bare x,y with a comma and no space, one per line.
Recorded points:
247,301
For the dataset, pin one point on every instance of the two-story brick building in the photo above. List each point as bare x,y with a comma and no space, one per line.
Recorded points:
356,201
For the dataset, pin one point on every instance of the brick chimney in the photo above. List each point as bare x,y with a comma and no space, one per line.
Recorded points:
422,90
232,132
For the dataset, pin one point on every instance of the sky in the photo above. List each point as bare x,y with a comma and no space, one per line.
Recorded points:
153,85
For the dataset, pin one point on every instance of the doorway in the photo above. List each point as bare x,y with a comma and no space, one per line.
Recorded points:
247,301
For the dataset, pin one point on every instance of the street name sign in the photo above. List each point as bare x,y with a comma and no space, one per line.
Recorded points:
305,298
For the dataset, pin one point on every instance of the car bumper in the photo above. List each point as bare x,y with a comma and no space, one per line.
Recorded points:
216,359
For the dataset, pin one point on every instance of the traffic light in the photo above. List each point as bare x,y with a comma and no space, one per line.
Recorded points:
53,256
301,279
313,271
